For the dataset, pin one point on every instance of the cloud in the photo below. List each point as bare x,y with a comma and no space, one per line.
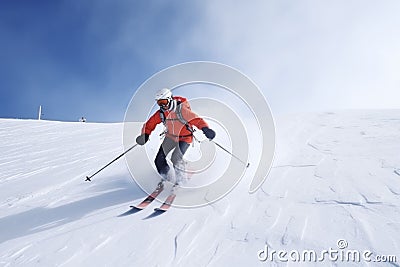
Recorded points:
309,55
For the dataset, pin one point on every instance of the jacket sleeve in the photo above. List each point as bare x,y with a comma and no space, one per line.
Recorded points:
151,123
193,118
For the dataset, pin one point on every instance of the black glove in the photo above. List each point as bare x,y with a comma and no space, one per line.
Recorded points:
142,139
210,134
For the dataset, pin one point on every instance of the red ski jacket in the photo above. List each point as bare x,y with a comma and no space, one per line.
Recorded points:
175,129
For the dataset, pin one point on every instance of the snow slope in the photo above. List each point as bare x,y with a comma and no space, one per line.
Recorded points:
335,176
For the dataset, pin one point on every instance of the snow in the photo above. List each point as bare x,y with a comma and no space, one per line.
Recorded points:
336,175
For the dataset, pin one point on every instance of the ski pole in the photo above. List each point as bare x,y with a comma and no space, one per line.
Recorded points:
88,178
227,151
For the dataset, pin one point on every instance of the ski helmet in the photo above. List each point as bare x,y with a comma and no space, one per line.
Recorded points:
164,93
164,98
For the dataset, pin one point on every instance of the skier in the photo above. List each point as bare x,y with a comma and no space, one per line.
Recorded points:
178,120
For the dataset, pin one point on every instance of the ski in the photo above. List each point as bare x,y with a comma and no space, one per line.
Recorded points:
167,203
150,198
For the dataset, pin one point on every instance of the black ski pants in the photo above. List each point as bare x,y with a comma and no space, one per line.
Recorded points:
177,155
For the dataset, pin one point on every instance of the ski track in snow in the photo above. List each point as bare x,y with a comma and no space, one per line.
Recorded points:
335,176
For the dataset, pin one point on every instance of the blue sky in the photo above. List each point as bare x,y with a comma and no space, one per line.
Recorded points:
86,57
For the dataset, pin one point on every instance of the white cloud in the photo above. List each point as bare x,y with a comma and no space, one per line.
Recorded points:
309,55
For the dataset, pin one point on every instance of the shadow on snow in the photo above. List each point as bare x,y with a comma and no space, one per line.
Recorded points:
41,218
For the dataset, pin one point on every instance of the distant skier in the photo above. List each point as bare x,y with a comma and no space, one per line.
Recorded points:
178,120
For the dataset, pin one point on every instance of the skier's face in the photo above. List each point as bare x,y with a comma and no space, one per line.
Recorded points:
163,103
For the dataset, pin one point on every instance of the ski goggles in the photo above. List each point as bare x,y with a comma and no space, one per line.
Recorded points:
163,102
